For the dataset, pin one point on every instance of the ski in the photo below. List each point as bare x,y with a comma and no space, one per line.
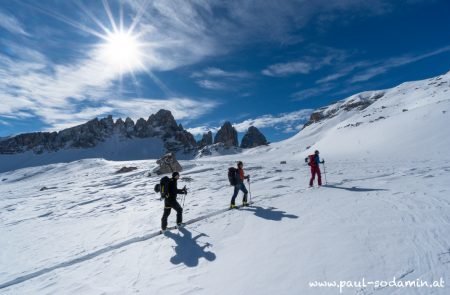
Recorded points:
170,228
241,206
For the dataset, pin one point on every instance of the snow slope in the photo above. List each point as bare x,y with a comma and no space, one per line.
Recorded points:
409,121
383,214
375,221
115,148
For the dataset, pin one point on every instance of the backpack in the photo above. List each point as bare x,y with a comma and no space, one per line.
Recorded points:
311,160
233,176
163,187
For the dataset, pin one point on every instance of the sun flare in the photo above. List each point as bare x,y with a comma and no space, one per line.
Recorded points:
122,50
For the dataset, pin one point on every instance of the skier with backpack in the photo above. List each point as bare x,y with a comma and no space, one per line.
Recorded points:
169,190
314,161
236,178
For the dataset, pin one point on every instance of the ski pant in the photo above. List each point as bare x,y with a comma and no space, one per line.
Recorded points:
237,188
315,170
170,204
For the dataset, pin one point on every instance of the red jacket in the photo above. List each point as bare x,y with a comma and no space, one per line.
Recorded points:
241,174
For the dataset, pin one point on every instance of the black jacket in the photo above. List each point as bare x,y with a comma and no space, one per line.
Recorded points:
173,190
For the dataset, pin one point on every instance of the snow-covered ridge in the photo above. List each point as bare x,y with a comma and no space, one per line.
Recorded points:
406,121
355,102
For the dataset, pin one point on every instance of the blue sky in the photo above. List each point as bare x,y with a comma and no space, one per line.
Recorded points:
255,62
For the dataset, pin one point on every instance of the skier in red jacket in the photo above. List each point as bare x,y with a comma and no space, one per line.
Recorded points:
314,161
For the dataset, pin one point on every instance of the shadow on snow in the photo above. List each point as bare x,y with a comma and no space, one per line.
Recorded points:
269,213
187,250
355,189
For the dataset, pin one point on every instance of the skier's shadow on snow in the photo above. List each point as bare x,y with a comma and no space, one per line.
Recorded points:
269,213
355,189
187,250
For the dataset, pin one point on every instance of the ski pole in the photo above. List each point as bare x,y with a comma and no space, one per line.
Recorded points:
249,190
325,173
184,197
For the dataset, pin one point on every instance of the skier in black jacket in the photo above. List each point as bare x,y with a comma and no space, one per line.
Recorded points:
170,201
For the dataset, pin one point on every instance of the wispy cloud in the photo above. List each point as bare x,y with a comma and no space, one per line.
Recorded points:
4,123
219,73
383,67
289,68
11,24
323,56
34,85
360,71
218,79
313,91
213,85
344,70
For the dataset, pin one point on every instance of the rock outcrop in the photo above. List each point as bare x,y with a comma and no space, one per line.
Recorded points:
227,135
253,138
168,164
356,102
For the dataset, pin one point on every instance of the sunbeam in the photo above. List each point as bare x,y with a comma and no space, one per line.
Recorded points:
122,50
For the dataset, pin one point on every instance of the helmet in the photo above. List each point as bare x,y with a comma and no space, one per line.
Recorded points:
240,163
316,152
175,174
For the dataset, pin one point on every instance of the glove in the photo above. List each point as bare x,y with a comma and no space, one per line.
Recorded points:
323,161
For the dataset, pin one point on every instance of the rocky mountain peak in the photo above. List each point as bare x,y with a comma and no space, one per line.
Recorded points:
207,139
227,135
163,118
253,138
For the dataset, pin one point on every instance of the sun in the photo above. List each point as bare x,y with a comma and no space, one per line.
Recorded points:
123,47
122,50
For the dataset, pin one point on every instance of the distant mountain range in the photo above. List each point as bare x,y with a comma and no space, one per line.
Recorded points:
120,140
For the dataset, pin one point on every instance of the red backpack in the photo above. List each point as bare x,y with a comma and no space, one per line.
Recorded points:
312,160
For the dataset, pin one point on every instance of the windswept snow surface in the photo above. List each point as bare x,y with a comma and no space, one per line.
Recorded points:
383,214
